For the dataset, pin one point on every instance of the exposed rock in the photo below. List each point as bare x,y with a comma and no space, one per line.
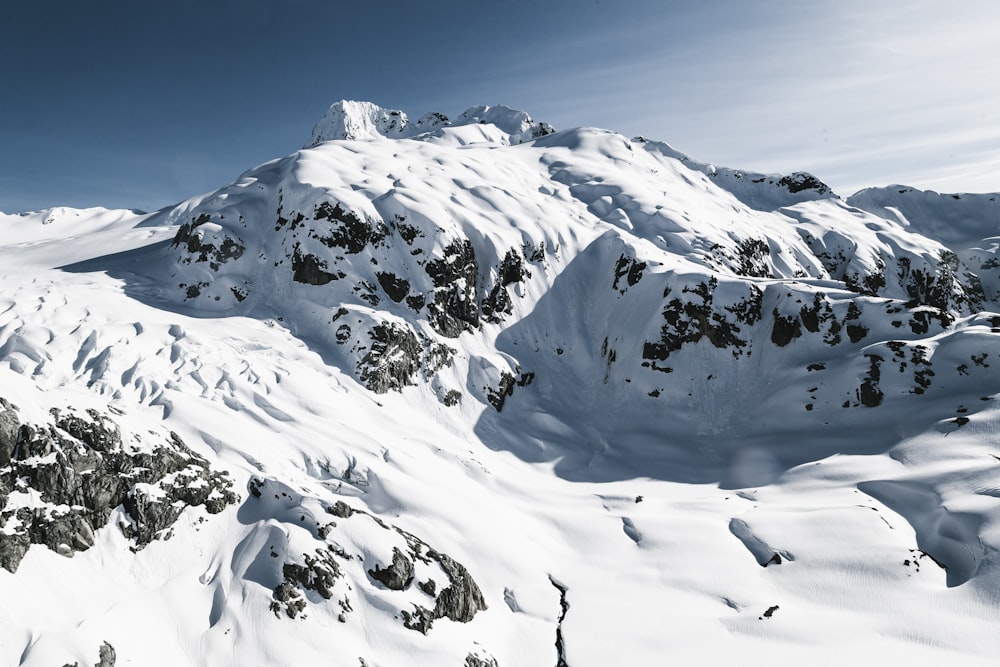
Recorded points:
82,470
498,396
393,358
106,656
191,237
498,303
753,257
398,575
9,427
564,608
868,393
420,619
409,233
459,599
688,319
630,269
785,329
948,287
396,288
455,308
319,572
480,659
340,509
311,270
800,180
347,230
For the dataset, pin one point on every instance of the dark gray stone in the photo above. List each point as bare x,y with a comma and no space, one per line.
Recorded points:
398,575
106,656
88,470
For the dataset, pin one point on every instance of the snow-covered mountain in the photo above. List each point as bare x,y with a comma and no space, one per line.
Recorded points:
479,392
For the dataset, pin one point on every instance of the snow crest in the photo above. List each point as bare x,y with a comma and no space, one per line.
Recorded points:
352,120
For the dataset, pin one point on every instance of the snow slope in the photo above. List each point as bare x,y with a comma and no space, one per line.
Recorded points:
490,394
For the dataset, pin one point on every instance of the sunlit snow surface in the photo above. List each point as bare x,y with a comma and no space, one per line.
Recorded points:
654,498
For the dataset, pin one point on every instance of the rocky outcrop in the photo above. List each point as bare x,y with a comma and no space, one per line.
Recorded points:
563,609
390,355
398,575
318,572
62,481
106,656
203,246
448,588
692,314
480,658
454,307
497,303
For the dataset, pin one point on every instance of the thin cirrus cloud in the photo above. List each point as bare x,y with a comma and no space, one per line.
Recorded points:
859,93
879,97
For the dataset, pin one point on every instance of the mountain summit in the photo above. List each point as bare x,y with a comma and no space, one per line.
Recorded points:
363,120
483,393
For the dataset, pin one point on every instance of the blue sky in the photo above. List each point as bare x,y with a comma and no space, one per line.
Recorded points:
134,103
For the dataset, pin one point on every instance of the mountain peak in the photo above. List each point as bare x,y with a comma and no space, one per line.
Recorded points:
358,120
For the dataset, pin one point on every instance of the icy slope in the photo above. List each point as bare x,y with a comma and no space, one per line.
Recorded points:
494,394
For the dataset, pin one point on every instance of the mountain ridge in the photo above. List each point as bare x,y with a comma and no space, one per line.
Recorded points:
489,393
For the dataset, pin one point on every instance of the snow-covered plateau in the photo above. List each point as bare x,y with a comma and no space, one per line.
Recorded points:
480,393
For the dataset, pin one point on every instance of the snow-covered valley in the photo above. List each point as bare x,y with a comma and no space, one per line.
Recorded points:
484,393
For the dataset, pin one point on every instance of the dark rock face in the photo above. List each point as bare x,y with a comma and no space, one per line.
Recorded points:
800,180
629,270
461,599
819,317
693,315
393,359
398,575
458,598
106,656
947,287
564,608
311,270
855,330
943,283
347,230
480,660
498,396
785,329
393,356
201,251
396,288
320,573
455,308
82,471
9,427
753,258
868,393
498,303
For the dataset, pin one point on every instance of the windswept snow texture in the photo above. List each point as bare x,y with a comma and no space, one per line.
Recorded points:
477,392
